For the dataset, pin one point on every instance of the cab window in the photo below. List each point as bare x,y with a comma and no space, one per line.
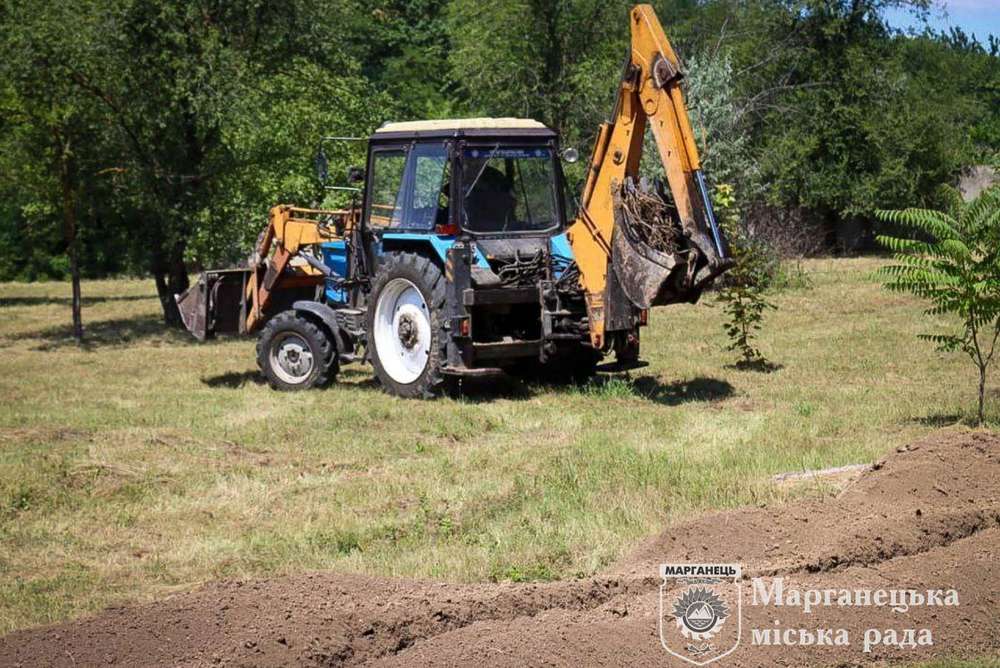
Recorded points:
429,205
409,189
508,189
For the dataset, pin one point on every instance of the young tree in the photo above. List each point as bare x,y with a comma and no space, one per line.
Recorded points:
954,262
742,290
48,123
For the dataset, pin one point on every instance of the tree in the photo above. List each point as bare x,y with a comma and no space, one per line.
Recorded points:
403,47
954,263
742,289
171,79
48,124
854,125
536,58
276,152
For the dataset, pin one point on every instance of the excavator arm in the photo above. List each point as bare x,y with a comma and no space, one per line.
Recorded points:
614,264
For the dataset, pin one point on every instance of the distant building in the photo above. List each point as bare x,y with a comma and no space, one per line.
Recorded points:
975,180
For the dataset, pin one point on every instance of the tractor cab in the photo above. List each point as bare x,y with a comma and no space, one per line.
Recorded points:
479,176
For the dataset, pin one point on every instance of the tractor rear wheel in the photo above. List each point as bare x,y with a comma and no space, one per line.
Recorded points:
296,354
406,337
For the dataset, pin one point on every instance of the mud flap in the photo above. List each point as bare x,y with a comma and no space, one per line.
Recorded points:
214,305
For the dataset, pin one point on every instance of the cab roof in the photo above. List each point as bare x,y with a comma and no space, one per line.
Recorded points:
506,127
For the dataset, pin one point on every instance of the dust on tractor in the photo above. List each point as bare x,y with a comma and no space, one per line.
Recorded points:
460,259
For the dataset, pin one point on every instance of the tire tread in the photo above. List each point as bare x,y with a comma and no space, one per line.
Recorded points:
289,320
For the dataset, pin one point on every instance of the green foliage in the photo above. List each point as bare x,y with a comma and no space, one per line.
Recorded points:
183,121
952,261
720,122
276,149
180,122
743,289
551,60
850,117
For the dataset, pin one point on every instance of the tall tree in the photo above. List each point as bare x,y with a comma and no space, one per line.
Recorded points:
536,58
170,78
47,123
852,126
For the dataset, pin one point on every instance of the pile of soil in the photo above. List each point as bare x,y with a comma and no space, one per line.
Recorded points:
926,517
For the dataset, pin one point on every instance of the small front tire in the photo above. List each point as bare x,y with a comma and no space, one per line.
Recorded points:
295,354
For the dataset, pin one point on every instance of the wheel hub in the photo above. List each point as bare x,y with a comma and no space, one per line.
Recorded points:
294,359
409,334
402,331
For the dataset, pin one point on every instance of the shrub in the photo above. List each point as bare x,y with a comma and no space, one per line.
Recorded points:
743,289
953,263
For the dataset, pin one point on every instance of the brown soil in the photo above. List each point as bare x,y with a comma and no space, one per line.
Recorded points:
927,517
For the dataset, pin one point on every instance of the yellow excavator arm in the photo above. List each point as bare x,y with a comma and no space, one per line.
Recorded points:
649,96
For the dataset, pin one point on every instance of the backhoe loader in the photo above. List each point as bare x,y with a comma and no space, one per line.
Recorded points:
459,260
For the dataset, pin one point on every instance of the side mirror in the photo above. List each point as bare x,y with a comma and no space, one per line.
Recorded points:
355,175
322,166
570,155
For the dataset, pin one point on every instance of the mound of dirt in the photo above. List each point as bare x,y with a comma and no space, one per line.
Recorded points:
927,517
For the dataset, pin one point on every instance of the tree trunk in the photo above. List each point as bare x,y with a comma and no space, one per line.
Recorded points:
982,395
69,232
171,279
168,260
74,273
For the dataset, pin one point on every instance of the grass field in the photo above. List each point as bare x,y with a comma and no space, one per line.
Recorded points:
146,463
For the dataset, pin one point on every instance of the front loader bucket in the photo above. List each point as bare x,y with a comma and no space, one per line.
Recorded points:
214,305
656,260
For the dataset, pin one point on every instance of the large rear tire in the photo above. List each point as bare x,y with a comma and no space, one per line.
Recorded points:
296,354
406,337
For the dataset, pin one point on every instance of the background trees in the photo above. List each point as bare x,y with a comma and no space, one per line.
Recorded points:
151,137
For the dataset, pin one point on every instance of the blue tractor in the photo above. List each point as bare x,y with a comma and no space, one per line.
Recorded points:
454,264
461,258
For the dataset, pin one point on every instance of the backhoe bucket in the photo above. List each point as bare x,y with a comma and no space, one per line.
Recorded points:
658,261
214,305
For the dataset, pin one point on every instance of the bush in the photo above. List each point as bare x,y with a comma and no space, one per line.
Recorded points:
954,263
743,288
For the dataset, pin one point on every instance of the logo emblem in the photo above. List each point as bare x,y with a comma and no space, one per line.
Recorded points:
700,608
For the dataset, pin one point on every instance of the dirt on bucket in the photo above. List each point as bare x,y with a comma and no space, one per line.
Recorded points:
925,518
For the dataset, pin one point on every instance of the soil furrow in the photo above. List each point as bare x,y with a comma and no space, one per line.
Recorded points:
927,516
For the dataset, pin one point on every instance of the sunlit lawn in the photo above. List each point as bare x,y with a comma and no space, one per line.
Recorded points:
146,463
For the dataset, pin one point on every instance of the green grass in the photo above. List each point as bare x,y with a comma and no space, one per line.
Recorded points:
146,463
986,662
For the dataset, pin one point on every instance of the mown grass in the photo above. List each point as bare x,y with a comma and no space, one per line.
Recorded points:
985,662
145,463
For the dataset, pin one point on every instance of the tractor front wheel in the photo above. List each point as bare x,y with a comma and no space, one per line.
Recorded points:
406,337
296,354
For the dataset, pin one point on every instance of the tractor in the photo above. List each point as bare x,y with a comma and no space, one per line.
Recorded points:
462,257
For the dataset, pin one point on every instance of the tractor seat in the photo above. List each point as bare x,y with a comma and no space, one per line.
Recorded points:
490,207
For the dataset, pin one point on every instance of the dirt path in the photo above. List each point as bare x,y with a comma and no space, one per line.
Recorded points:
927,517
